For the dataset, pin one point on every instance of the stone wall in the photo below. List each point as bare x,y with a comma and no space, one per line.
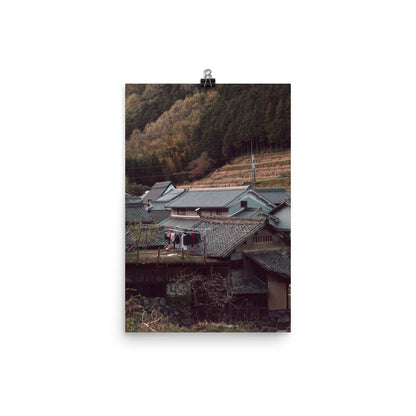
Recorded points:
181,314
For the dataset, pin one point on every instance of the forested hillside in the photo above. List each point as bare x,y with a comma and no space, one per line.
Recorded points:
181,132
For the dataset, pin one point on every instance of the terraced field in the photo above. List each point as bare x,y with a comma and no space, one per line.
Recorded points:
272,171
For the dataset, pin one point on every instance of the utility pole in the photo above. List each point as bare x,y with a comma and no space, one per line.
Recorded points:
253,165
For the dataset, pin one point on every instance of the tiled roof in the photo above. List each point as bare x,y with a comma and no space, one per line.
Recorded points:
257,213
174,193
274,195
136,212
208,197
225,235
160,185
280,206
156,191
159,215
162,202
248,213
174,222
133,198
271,260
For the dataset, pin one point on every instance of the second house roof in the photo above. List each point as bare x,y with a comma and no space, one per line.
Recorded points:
208,197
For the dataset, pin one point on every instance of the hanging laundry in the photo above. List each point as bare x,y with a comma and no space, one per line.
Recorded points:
187,240
197,238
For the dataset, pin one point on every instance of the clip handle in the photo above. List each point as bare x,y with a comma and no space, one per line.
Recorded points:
208,78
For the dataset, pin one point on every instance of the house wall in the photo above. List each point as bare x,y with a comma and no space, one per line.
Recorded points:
205,212
284,218
277,296
255,243
190,212
223,212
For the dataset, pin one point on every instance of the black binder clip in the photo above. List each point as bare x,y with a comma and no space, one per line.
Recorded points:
207,81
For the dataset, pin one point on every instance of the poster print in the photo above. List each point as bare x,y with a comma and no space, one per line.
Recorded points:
207,208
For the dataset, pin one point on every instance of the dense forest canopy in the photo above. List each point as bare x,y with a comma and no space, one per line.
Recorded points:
179,132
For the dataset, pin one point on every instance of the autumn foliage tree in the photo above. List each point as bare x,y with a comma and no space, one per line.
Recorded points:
173,130
198,168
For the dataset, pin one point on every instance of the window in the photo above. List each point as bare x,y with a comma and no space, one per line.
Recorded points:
243,204
262,239
181,211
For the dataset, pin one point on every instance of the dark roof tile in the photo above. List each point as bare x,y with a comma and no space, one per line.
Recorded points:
223,236
274,195
163,201
248,213
156,191
174,193
135,212
159,216
270,260
208,197
182,223
133,198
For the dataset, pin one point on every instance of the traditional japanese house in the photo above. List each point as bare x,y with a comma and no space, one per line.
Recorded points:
206,202
196,204
156,191
220,202
158,208
225,224
259,287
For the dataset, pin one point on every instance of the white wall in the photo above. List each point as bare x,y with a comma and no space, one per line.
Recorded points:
284,216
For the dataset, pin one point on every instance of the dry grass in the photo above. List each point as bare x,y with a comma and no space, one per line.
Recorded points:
268,170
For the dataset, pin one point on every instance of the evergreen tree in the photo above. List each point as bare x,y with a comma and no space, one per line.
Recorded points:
168,126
